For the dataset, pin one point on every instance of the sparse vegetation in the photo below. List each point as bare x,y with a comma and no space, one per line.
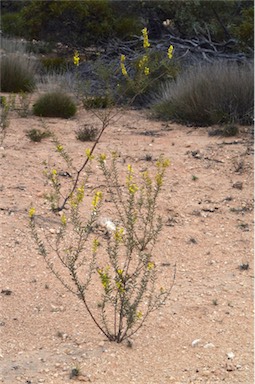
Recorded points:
55,104
24,100
244,266
75,372
4,118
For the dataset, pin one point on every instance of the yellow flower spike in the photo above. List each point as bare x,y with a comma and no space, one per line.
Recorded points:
76,58
123,70
95,246
146,43
170,52
129,168
31,212
122,65
120,272
146,71
63,219
54,172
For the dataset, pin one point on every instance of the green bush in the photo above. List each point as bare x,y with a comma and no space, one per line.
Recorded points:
55,104
208,94
244,30
12,24
17,74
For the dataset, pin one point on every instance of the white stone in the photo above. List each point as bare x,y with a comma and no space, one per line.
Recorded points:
230,355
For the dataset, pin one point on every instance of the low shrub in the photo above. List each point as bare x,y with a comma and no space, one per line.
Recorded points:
37,135
209,94
51,64
87,133
55,104
97,102
17,74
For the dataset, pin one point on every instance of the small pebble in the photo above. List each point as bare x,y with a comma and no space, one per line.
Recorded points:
209,345
195,342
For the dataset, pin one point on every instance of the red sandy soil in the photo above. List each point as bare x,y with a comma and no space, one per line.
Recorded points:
208,232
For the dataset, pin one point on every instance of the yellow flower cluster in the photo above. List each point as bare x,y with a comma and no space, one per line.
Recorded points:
80,194
76,58
88,154
31,212
146,71
63,219
163,163
139,315
105,278
132,188
97,198
60,148
102,158
118,235
146,43
159,179
143,61
150,265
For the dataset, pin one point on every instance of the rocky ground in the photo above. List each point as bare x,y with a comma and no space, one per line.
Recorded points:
204,334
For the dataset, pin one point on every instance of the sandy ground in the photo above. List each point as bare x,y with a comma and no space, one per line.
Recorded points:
204,334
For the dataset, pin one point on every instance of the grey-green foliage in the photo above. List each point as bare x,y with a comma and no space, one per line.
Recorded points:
208,94
17,73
